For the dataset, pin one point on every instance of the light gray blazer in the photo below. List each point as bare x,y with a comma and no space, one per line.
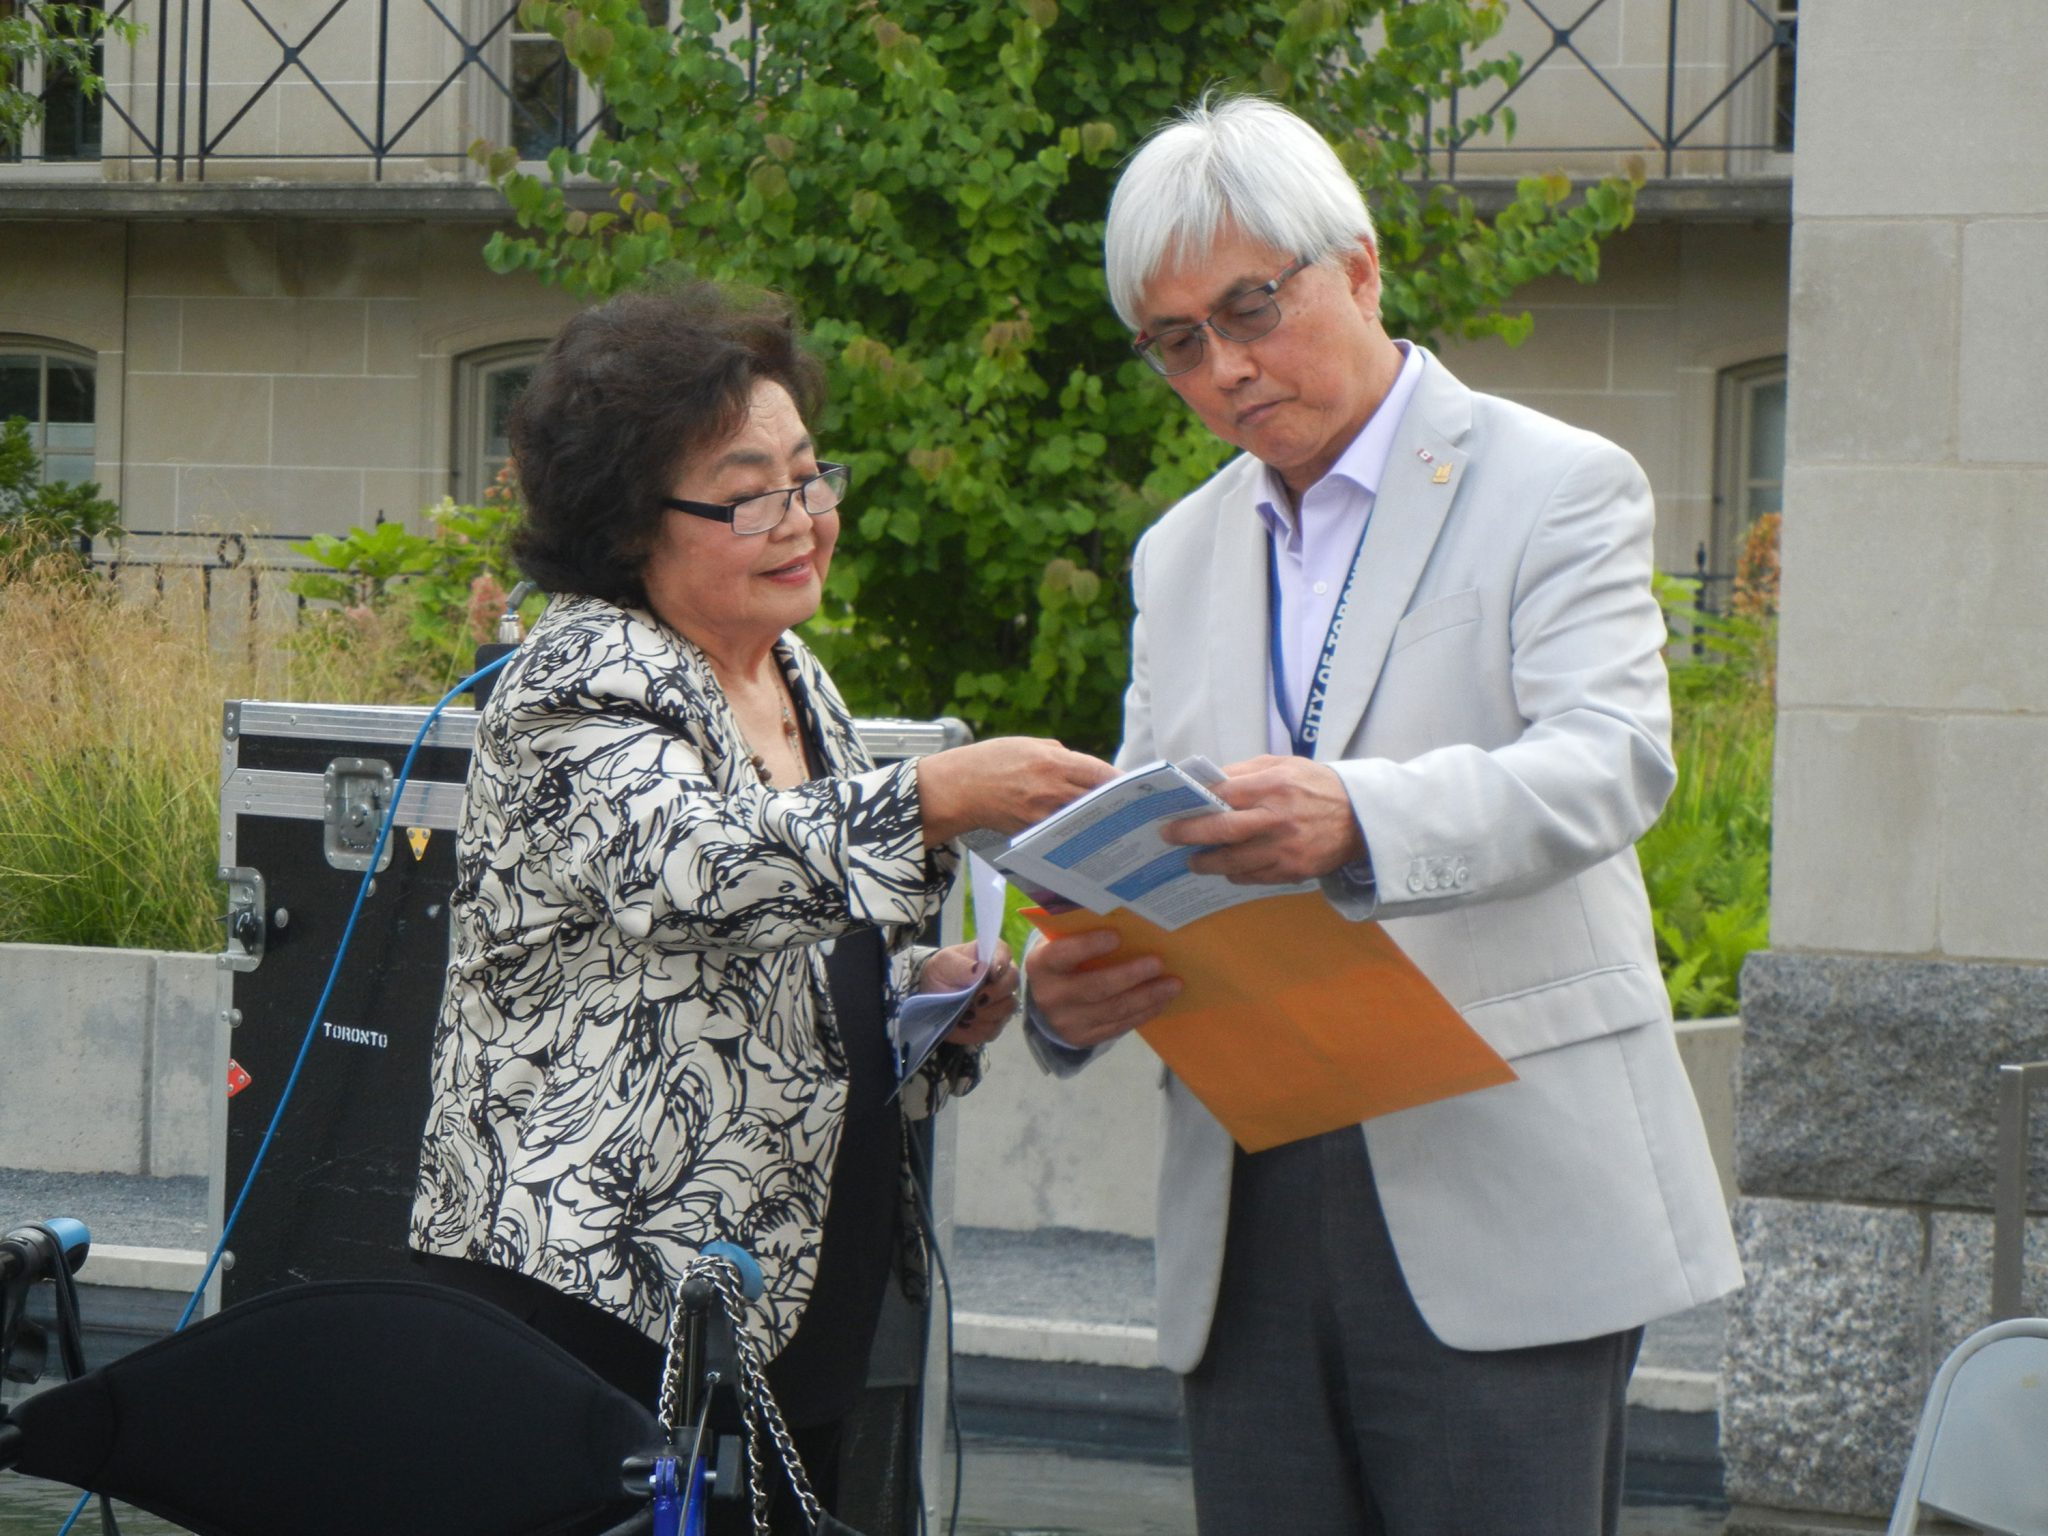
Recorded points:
1500,715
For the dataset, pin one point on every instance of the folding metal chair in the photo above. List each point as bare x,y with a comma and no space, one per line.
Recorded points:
1981,1454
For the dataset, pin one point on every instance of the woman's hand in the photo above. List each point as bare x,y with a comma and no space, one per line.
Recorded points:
948,970
1007,783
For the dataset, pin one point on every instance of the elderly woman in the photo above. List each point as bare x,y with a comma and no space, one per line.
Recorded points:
686,899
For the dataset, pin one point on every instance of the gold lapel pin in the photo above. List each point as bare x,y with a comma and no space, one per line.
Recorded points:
1442,475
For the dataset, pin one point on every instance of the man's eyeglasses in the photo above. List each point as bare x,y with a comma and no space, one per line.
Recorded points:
818,494
1243,317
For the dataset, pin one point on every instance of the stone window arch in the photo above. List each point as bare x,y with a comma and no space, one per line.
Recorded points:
487,381
1749,478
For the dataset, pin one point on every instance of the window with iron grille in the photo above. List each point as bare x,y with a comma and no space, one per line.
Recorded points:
546,96
69,128
551,105
1766,52
1784,73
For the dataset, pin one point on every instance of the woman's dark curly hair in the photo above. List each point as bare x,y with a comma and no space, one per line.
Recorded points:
629,391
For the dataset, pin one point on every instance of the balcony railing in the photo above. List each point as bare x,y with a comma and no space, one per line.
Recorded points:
1714,95
322,90
346,89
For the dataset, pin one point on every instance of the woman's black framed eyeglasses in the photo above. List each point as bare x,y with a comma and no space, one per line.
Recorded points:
750,515
1242,317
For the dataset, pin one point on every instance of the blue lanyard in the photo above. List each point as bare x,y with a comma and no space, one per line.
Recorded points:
1310,726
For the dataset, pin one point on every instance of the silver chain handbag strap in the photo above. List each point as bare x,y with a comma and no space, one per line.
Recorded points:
757,1402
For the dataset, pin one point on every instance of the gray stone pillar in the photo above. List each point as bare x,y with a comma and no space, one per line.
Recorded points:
1909,920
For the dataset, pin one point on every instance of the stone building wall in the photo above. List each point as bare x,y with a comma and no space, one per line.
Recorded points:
1910,903
290,376
1638,356
269,376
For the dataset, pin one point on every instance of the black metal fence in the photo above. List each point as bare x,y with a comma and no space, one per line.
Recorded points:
1713,595
1669,124
194,113
245,568
534,98
237,568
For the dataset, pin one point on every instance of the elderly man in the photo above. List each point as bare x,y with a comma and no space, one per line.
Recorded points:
1417,622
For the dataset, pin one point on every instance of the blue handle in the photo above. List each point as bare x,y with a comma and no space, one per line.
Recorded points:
751,1284
72,1237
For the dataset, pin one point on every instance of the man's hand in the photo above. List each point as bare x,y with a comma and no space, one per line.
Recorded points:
1087,1008
1290,821
948,970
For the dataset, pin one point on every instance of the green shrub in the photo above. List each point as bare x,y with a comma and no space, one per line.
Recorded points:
42,522
409,609
109,813
1707,861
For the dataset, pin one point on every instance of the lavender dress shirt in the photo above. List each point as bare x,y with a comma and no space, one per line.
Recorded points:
1315,547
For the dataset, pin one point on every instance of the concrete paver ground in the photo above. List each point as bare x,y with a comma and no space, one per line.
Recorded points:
1009,1491
1028,1491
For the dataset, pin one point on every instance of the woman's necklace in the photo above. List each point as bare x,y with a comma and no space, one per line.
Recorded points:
789,734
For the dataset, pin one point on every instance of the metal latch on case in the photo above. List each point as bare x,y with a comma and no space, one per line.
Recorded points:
358,795
246,928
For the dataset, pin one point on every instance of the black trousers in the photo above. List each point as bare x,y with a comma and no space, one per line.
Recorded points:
1325,1406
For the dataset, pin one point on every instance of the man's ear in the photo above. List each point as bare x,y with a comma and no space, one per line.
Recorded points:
1362,272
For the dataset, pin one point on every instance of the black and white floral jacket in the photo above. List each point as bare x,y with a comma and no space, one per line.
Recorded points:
636,1053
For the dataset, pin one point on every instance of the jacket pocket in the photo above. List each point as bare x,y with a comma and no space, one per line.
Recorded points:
1437,614
1573,1008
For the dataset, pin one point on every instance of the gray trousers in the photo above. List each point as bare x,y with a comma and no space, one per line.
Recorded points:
1325,1406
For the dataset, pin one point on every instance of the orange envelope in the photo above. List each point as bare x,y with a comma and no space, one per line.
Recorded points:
1294,1021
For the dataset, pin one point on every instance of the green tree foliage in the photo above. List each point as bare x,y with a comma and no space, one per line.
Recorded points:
928,181
42,522
59,38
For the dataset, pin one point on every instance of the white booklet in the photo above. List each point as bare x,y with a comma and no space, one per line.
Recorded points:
1107,849
925,1018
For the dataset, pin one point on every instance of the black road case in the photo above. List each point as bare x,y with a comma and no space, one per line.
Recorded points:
303,790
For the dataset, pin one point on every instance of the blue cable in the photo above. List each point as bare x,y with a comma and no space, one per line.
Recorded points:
319,1009
333,975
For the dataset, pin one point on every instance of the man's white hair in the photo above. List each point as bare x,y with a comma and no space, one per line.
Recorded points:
1226,161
